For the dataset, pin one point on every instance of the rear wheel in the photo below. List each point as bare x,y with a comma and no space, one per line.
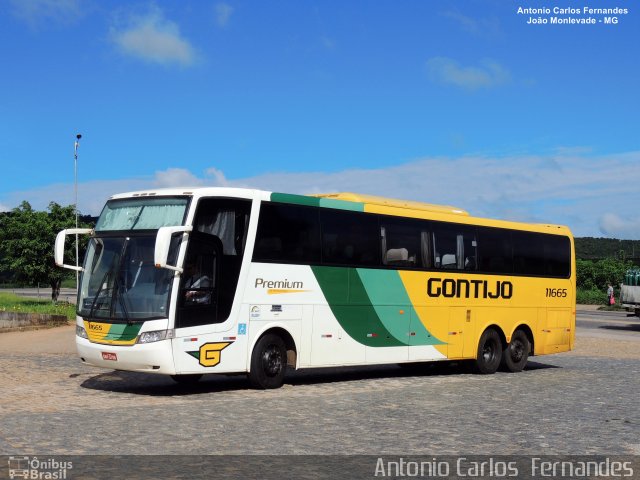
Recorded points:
516,354
268,362
489,352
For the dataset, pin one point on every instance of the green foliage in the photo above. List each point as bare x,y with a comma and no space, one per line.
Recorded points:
591,297
27,238
594,275
12,303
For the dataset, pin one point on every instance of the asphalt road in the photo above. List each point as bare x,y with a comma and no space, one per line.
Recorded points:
608,325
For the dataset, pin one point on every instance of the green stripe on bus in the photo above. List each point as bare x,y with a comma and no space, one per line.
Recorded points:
352,307
389,297
295,199
122,331
317,202
341,204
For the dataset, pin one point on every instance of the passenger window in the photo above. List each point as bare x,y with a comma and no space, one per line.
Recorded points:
557,250
287,234
496,250
470,250
349,238
541,254
227,219
454,247
528,253
445,244
401,242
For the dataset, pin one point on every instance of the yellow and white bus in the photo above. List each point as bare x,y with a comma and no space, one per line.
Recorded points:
222,280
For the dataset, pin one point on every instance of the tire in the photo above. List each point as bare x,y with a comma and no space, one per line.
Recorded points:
516,353
489,352
190,379
268,362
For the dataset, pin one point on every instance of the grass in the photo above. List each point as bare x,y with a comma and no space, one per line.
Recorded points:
12,303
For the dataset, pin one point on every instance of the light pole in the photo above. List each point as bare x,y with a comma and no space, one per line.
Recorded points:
75,191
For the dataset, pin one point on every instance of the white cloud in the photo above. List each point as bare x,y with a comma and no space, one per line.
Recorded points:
4,208
154,39
572,189
449,72
180,177
613,225
223,14
176,177
36,12
218,178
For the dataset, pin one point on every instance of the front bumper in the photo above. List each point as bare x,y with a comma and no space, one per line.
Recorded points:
154,357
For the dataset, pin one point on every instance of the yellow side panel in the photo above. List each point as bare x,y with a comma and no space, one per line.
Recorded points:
457,308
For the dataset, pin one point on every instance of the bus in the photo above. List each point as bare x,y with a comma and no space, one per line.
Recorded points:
187,282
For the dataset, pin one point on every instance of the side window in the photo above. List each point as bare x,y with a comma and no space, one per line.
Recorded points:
401,242
470,250
349,238
454,247
541,254
528,253
557,252
199,279
445,243
496,250
227,219
287,234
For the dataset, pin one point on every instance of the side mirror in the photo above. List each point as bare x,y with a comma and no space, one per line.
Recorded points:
163,243
59,246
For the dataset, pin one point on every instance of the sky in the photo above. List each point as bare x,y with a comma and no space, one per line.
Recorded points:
457,102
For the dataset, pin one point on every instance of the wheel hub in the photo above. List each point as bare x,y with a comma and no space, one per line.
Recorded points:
272,361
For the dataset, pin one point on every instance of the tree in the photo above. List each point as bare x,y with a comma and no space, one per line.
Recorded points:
595,275
27,238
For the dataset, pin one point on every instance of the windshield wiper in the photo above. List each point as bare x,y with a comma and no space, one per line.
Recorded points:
118,292
118,286
100,290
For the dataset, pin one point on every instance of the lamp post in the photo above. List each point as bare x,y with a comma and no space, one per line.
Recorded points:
75,191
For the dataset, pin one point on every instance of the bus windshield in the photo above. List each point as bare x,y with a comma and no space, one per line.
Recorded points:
142,213
120,282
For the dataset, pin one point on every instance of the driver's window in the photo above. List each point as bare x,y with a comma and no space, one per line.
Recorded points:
199,285
199,279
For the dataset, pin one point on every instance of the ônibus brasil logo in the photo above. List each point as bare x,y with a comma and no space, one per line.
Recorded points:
35,468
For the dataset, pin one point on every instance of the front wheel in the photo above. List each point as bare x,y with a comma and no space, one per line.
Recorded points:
268,362
489,352
515,356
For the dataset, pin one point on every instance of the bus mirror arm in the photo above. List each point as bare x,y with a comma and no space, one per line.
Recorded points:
59,246
163,243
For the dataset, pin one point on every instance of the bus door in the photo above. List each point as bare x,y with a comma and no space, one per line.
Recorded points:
198,297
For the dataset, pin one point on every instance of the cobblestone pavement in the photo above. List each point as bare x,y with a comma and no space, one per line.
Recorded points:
583,402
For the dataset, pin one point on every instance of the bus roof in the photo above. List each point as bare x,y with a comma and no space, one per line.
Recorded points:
353,201
392,202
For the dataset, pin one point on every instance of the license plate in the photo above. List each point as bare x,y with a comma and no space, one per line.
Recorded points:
109,356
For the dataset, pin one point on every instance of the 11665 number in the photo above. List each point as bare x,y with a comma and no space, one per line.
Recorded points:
556,292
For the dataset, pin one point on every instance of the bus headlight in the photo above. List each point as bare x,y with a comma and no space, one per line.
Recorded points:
81,332
155,336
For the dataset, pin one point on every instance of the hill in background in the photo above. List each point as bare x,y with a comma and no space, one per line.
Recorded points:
590,248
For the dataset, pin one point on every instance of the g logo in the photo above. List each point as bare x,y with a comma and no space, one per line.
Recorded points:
210,353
